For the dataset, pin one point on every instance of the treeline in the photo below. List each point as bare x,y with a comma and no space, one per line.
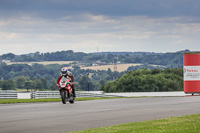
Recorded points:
147,80
23,82
32,76
135,79
54,56
169,60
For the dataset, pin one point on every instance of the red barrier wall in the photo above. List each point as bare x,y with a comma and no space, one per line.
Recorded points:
191,72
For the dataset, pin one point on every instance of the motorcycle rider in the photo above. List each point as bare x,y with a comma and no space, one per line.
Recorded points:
65,72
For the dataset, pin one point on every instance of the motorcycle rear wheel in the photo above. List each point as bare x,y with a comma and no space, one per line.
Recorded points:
71,99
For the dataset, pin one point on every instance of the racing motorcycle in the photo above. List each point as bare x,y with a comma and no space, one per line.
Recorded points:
66,90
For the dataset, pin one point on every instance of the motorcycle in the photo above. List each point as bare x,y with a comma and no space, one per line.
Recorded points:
66,90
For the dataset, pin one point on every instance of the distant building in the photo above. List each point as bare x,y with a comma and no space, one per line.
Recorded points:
95,64
6,61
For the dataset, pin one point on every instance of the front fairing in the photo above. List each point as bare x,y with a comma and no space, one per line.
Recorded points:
64,84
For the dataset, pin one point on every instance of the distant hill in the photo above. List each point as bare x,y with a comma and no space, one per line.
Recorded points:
83,63
169,60
123,53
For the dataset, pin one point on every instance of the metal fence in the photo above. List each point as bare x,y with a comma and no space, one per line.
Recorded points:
45,94
56,94
50,94
5,94
82,94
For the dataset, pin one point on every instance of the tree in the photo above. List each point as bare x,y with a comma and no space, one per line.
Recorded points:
83,82
20,80
29,85
38,84
8,56
44,83
53,85
109,72
96,85
9,85
146,80
1,83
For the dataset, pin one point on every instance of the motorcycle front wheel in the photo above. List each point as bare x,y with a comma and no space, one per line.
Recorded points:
63,96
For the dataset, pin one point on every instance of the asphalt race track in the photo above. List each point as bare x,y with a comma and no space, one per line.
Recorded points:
58,118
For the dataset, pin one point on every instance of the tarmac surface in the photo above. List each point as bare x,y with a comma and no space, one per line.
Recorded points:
55,117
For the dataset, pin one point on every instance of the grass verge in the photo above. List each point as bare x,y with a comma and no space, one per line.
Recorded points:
7,101
185,124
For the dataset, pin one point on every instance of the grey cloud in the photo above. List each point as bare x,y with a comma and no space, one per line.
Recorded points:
59,8
122,24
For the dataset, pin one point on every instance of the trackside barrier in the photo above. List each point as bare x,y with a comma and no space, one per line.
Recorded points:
92,94
45,94
7,94
81,94
49,94
56,94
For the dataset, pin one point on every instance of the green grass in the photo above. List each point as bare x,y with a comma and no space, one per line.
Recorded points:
185,124
7,101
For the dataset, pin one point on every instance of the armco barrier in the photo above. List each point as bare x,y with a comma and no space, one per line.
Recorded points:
82,94
45,94
24,95
79,94
149,94
49,94
6,94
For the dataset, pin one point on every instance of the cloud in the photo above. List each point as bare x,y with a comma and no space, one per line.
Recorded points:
9,36
82,25
187,29
178,42
58,8
87,30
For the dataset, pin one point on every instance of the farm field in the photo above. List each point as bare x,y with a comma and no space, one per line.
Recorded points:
43,63
120,67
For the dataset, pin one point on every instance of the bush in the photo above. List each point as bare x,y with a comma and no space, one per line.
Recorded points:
146,80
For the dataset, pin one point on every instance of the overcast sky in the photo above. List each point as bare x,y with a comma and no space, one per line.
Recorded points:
27,26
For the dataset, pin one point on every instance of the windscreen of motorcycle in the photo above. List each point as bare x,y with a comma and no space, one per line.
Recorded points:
63,82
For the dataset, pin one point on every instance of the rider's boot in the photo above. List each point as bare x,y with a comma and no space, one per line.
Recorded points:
73,91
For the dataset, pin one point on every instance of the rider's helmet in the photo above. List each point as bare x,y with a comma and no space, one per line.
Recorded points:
64,71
